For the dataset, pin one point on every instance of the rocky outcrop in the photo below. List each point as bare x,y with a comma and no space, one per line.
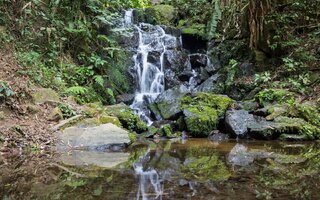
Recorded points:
45,95
214,84
105,136
202,112
168,103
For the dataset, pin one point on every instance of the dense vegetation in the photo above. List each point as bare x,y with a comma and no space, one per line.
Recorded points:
69,45
72,46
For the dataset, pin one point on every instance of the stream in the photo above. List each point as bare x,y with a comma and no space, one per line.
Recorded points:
173,169
166,169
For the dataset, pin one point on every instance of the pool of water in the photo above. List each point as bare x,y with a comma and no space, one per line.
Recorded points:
182,169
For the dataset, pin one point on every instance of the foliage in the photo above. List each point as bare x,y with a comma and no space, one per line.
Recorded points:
67,111
65,44
5,91
194,15
232,70
274,95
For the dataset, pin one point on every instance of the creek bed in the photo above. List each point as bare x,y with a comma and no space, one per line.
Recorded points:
176,169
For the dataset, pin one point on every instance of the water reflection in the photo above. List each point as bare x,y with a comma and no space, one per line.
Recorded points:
195,169
149,181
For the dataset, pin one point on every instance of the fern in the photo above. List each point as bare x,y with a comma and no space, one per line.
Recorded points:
99,80
216,17
76,90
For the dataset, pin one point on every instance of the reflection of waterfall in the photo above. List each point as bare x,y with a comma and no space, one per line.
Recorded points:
149,181
149,63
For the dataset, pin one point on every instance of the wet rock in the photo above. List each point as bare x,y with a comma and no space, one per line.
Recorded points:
172,31
154,57
55,115
237,122
84,138
217,136
168,102
202,112
214,84
125,98
174,63
198,60
249,106
45,95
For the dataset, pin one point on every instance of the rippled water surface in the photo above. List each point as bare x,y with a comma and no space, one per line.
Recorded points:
191,169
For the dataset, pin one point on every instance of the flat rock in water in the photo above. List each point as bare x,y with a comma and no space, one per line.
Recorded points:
105,135
99,159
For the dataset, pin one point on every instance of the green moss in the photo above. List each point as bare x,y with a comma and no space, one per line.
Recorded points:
167,130
165,14
128,119
104,119
132,137
297,125
192,29
45,95
274,95
92,109
310,113
202,112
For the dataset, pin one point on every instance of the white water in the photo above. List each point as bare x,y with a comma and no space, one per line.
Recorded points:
149,64
128,17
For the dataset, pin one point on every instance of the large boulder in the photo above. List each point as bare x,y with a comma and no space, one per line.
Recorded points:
202,112
105,136
242,124
214,84
45,95
237,122
168,103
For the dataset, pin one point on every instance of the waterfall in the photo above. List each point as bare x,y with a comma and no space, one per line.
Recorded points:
149,64
128,17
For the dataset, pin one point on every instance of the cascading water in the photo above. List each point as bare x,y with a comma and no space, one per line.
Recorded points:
149,64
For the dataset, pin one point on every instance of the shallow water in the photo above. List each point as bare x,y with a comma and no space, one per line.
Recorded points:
190,169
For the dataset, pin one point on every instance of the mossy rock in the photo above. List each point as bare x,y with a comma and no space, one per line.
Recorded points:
87,122
283,126
92,109
104,119
55,115
45,95
203,111
126,116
